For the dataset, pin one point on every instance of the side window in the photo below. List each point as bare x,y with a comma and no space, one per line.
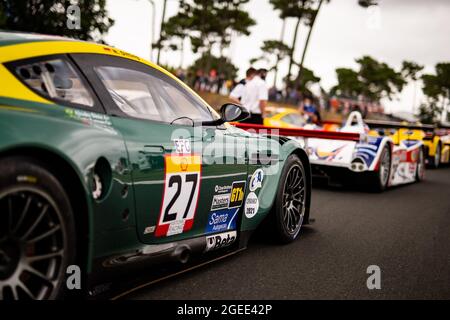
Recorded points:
56,79
131,92
148,95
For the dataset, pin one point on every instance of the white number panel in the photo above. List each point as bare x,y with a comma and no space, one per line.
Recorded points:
181,194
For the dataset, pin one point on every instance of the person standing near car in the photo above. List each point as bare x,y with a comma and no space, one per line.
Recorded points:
238,91
255,96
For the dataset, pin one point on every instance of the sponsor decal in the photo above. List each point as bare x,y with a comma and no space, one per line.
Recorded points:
256,180
225,207
222,220
181,193
222,189
220,241
251,205
220,201
221,198
91,119
237,194
182,146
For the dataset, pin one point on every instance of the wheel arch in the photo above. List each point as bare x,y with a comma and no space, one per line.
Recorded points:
71,179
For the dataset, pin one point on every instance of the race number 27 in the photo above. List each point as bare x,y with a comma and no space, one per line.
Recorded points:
181,191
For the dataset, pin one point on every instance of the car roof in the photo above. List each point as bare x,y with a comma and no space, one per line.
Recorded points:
10,38
20,45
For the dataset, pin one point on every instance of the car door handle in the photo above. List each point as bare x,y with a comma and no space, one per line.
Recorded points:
154,149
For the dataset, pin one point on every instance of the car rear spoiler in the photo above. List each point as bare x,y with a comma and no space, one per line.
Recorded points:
398,125
294,132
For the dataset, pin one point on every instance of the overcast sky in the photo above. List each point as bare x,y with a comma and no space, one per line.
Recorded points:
397,30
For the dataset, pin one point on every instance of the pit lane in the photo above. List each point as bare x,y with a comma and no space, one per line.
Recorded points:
405,231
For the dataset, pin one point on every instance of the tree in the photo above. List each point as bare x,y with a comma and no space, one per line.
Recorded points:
306,79
315,13
49,17
221,65
367,3
373,81
437,87
410,72
302,11
348,85
274,52
379,80
430,112
173,35
209,24
308,38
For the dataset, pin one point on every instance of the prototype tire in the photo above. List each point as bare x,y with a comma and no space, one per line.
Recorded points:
37,232
289,211
420,171
435,161
379,180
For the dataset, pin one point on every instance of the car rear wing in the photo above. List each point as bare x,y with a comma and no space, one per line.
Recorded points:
294,132
398,125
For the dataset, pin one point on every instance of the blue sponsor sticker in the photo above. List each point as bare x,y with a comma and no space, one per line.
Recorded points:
222,220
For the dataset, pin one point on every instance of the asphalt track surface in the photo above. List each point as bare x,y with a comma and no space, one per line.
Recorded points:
405,231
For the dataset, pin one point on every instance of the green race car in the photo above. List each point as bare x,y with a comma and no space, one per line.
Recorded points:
109,164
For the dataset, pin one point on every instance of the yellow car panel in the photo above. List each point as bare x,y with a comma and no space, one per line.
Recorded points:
274,117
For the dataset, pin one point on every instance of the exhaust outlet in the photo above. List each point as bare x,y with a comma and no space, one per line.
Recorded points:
182,254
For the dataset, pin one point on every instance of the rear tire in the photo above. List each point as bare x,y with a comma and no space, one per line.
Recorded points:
379,180
420,171
435,161
37,232
290,203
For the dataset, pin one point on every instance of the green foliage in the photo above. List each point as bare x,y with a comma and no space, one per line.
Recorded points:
300,9
431,87
306,80
208,23
303,11
367,3
430,113
2,15
222,65
379,80
410,70
49,17
373,81
348,85
437,89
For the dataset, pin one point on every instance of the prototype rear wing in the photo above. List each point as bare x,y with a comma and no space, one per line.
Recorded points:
294,132
398,125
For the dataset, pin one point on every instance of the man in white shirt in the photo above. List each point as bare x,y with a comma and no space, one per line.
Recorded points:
254,97
238,91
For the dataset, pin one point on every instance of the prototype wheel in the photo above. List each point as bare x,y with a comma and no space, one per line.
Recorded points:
290,202
435,161
380,179
37,236
420,171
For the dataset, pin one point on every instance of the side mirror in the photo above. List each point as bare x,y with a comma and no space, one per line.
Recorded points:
231,112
